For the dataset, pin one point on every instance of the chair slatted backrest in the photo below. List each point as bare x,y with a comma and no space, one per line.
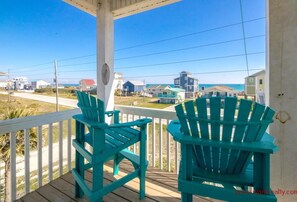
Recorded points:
224,120
91,107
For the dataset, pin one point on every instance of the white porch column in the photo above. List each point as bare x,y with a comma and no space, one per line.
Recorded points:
105,54
282,88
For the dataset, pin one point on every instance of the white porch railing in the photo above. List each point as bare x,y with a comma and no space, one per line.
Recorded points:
54,156
49,151
162,151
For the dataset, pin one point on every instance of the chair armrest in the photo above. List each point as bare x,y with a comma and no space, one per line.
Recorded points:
261,147
115,114
137,123
81,119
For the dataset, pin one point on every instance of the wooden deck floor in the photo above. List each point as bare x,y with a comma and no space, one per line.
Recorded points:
160,186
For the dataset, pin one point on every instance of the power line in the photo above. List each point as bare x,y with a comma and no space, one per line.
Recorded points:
77,57
163,52
78,64
244,42
188,61
167,63
83,70
187,48
191,34
196,73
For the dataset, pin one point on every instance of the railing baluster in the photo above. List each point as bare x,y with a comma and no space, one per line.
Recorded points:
176,157
60,148
168,149
50,152
160,144
12,187
27,160
154,142
39,150
148,143
69,145
135,145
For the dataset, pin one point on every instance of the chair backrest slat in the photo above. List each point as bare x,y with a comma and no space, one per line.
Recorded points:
201,106
229,113
189,106
183,122
215,111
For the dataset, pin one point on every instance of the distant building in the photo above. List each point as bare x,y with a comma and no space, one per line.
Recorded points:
219,91
3,83
118,81
187,82
155,89
20,83
86,84
255,86
172,95
133,86
39,84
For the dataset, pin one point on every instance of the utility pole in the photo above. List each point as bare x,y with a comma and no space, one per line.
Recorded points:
56,81
8,77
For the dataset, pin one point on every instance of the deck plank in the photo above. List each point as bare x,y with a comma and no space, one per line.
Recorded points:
160,186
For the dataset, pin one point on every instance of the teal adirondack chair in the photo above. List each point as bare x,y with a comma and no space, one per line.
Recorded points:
108,142
224,155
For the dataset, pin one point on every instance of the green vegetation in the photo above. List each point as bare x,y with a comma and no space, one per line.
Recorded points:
37,106
67,92
140,102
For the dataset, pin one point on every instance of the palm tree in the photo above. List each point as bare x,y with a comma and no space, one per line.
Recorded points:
11,113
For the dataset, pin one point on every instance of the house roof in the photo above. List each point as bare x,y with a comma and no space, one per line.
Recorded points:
159,86
88,82
185,72
219,89
257,73
137,83
176,89
3,74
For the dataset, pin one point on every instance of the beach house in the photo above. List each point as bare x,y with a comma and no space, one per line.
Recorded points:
255,86
172,95
187,82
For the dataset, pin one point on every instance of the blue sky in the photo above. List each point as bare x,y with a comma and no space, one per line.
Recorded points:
199,36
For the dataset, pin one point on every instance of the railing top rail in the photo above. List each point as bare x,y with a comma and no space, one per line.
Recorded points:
147,112
11,125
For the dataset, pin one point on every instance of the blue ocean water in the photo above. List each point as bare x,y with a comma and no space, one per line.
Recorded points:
237,87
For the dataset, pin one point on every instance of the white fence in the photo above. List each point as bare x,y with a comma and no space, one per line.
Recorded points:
53,156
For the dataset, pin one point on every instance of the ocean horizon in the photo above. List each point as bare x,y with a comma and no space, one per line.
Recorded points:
237,87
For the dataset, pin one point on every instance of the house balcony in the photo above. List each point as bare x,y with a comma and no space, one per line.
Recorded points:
44,173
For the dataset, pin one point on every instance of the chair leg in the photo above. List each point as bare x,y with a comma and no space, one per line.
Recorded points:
185,197
79,159
186,166
116,163
97,180
142,165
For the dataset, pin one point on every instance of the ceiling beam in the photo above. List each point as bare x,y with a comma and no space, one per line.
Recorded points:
120,8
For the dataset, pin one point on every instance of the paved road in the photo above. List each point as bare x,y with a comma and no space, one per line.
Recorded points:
62,101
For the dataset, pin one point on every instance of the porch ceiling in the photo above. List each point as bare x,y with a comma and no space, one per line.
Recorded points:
120,8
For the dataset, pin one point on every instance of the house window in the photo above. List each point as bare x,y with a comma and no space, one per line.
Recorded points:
176,81
261,81
251,79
